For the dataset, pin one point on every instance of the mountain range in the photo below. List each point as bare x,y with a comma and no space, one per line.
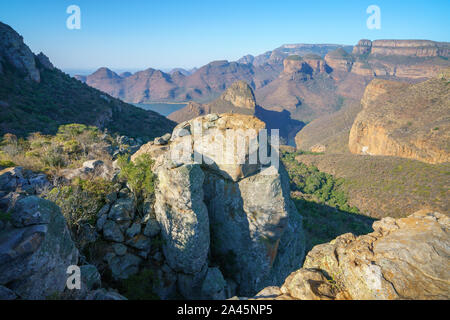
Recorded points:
307,80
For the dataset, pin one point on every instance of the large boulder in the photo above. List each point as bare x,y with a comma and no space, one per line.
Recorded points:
406,258
36,252
183,217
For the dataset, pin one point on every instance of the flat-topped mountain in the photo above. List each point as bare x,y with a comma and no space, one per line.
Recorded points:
278,55
404,120
412,59
35,96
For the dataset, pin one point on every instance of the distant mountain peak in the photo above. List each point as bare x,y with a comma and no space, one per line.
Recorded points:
240,95
104,72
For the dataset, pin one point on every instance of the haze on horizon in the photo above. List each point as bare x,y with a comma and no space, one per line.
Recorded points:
135,35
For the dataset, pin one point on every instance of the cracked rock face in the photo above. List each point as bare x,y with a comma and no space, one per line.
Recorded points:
406,258
236,217
402,259
16,53
36,251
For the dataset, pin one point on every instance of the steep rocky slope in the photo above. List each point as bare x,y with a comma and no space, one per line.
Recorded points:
410,121
35,96
402,259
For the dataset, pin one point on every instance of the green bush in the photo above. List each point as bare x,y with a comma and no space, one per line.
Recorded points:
139,176
7,164
73,144
81,200
320,186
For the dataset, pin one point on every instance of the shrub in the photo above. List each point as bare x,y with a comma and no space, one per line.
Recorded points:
73,144
7,163
139,176
81,200
320,186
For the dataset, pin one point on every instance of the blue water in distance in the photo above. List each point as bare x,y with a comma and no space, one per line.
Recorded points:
163,109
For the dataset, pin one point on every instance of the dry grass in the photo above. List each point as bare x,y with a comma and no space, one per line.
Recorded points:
387,186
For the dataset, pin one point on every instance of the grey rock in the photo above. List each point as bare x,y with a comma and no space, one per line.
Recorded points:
101,222
190,285
14,51
34,259
162,140
7,294
251,228
86,234
112,232
90,277
403,258
111,197
122,210
231,288
152,228
134,230
11,179
165,286
119,249
213,287
103,294
32,210
45,61
124,266
158,257
183,217
255,228
139,242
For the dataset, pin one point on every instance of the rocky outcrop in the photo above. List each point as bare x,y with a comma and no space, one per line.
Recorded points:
418,48
223,213
317,63
35,250
240,95
293,64
409,121
14,52
402,259
44,61
363,47
238,98
339,60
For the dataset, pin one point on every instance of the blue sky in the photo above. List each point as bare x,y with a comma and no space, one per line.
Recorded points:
138,34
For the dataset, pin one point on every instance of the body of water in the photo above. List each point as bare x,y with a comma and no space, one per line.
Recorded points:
162,108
